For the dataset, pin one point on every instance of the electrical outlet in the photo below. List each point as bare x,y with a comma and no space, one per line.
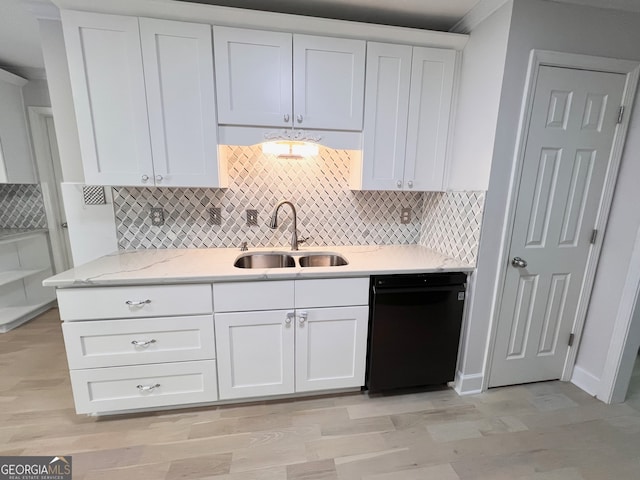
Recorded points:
215,216
252,218
405,216
157,216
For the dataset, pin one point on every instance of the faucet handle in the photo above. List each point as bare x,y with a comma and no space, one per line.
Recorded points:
302,240
243,247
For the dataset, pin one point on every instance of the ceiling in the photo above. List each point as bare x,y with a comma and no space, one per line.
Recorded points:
20,50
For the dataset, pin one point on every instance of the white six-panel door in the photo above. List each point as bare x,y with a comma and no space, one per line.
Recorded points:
178,68
255,352
572,127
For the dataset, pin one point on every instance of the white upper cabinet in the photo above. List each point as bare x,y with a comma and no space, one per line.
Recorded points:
253,77
16,163
144,99
407,110
277,79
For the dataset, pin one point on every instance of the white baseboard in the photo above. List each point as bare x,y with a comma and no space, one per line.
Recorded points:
585,380
468,384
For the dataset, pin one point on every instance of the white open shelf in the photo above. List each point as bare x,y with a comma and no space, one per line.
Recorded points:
11,317
10,276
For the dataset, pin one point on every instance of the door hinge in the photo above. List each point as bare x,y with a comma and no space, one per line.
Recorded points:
620,113
571,337
594,236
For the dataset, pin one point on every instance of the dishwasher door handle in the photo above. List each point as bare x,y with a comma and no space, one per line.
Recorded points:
410,290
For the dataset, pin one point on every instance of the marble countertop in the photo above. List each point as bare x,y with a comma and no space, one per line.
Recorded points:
14,233
164,266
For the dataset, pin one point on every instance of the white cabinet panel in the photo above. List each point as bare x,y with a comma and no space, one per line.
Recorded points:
134,302
386,116
334,292
328,79
143,92
276,79
100,390
178,66
429,111
107,79
255,353
111,343
247,296
407,111
331,346
16,161
253,76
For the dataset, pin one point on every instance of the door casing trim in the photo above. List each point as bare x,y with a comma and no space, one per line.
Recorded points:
546,58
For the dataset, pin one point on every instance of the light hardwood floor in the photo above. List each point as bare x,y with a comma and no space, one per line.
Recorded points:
545,431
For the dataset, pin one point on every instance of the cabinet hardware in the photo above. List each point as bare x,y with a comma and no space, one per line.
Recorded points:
410,183
303,317
620,114
289,318
286,117
299,118
594,236
138,303
147,388
144,343
145,178
158,178
571,338
399,183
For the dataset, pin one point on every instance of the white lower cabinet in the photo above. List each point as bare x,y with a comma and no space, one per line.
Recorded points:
115,389
271,352
120,362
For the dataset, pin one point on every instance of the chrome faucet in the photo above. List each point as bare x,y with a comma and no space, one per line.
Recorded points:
273,223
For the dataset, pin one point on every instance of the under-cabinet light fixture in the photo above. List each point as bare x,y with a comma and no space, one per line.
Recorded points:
289,149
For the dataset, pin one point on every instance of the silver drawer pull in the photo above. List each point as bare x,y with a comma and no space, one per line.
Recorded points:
143,344
148,388
138,303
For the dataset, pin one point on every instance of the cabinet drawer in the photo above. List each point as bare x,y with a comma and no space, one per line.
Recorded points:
336,292
102,390
111,343
131,302
247,296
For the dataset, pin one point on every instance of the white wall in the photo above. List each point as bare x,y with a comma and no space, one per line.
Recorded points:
36,94
548,25
92,231
481,75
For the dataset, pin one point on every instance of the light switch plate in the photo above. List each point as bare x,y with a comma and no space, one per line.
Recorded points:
405,216
157,216
252,218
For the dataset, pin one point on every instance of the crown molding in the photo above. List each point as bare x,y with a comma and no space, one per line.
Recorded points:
478,14
42,9
7,76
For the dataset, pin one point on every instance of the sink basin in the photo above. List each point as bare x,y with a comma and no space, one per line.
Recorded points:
265,260
323,260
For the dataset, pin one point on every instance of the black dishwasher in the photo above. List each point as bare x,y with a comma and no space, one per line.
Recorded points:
414,329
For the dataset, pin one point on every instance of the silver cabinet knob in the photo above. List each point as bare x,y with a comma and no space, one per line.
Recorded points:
303,317
399,184
289,318
158,178
299,118
286,117
145,178
410,183
518,262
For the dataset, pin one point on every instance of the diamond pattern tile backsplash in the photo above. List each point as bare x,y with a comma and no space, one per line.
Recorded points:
328,212
451,223
21,206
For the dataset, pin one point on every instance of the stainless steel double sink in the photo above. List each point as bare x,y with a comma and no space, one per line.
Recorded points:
285,260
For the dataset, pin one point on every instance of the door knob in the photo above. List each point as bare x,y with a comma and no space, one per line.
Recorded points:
518,262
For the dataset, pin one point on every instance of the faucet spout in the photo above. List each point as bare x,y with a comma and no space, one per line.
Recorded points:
273,223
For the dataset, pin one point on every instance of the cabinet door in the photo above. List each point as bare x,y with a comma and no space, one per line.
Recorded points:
328,82
253,77
255,353
105,67
16,163
331,346
178,68
386,111
429,110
